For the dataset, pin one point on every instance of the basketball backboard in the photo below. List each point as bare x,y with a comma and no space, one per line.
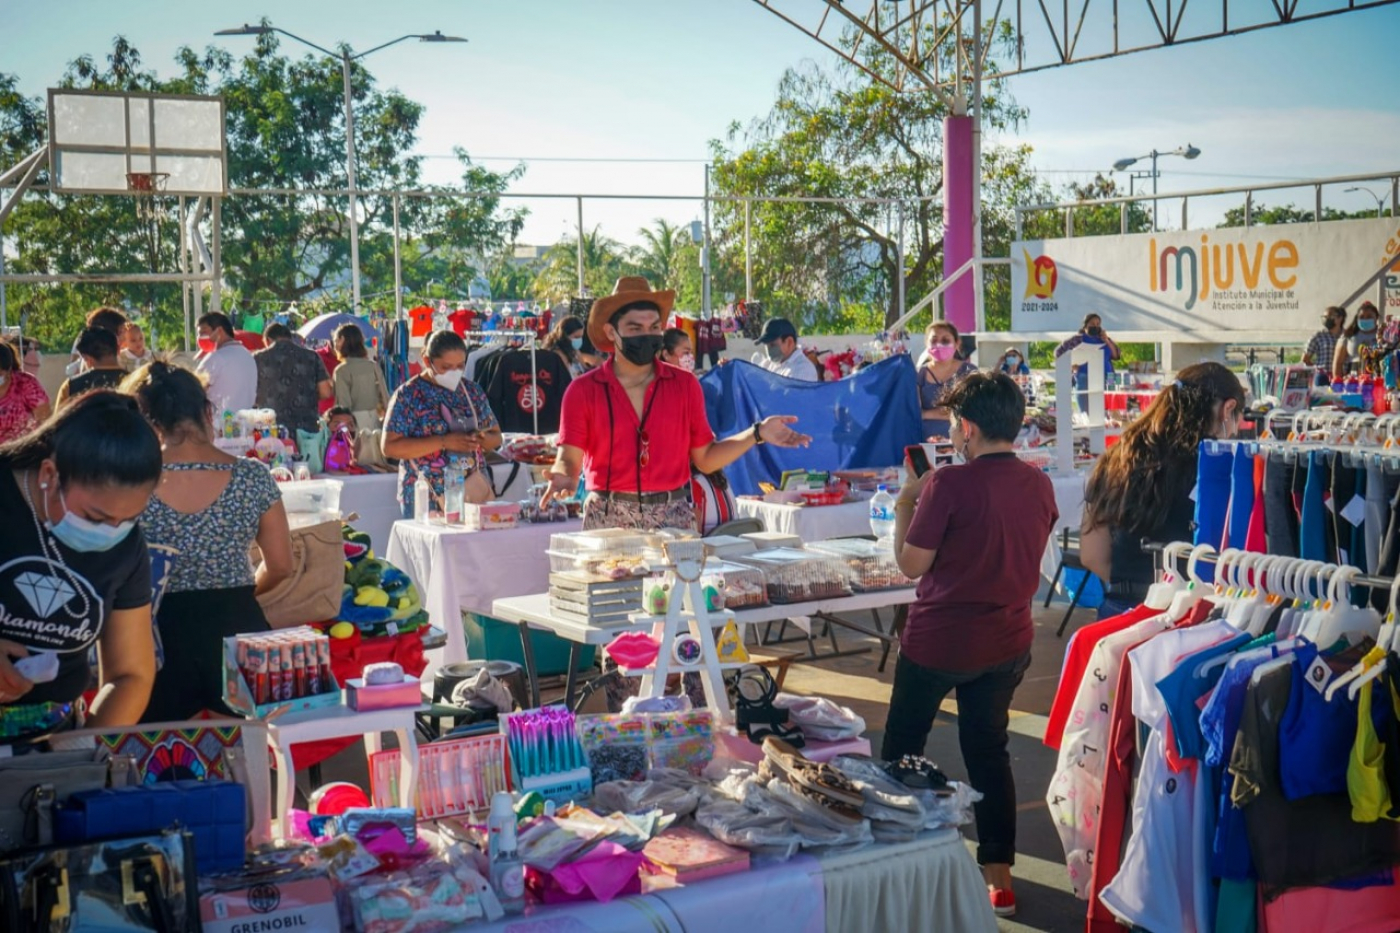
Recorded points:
116,142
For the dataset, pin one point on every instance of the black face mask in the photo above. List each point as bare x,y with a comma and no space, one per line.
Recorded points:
1093,330
640,350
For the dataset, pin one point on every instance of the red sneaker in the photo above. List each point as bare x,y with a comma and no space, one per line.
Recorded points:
1003,902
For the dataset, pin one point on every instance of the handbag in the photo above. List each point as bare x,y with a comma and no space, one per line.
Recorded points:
312,445
141,883
369,452
477,487
340,453
313,591
31,785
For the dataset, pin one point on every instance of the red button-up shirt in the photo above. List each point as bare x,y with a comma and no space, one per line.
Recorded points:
610,439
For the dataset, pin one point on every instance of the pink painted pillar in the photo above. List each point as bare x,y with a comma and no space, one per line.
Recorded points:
959,183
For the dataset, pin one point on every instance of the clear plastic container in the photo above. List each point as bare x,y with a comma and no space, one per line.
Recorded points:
793,576
312,495
743,587
872,566
606,552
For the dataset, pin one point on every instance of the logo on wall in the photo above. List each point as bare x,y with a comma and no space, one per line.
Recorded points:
1258,276
1042,276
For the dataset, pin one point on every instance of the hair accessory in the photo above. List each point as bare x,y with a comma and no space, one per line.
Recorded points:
1179,384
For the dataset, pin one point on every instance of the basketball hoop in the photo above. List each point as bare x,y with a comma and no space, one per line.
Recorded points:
145,186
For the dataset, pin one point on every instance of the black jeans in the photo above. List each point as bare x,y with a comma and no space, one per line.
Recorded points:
984,704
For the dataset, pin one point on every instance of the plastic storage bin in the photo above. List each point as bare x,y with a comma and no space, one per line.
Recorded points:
872,567
311,495
794,576
494,640
607,553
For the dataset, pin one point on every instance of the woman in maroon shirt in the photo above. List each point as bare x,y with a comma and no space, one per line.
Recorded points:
973,535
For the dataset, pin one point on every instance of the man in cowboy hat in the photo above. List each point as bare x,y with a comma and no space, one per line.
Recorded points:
636,426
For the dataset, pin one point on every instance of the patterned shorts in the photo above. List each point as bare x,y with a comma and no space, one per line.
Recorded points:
601,512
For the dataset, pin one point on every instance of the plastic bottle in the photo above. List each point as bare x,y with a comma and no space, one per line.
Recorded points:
1367,393
1353,384
421,497
507,870
882,514
1339,385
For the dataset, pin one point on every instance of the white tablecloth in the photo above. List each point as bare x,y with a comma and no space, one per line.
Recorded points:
929,884
457,570
374,497
809,522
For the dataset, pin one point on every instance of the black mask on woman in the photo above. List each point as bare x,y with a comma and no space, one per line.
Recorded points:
1094,330
641,349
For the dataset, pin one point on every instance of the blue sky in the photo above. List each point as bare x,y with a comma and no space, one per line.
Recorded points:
642,79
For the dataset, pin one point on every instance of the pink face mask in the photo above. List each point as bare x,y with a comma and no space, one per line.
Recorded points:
687,362
943,352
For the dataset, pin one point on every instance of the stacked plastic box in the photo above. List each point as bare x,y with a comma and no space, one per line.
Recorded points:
795,576
872,565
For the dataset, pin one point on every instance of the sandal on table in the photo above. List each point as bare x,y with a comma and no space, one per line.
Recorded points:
918,773
815,776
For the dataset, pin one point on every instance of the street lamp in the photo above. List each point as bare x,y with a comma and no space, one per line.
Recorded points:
1380,201
346,58
1187,151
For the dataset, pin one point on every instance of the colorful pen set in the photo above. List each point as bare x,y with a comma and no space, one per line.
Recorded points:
455,776
543,741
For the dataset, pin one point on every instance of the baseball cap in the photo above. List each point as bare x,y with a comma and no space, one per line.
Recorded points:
776,329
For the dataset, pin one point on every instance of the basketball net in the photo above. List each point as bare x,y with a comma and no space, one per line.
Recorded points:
146,186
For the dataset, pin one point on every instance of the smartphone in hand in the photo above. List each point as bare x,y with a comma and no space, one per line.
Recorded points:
918,459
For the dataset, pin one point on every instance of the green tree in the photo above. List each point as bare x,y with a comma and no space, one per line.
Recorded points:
604,261
836,135
285,130
1262,215
661,252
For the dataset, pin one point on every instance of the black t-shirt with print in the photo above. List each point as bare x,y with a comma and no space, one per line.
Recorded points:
41,604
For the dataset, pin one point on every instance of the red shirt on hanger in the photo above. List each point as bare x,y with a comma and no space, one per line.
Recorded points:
420,321
461,320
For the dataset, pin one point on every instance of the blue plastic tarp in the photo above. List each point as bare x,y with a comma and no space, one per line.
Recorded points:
864,420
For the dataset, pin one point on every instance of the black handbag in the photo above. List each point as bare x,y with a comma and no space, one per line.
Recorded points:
143,883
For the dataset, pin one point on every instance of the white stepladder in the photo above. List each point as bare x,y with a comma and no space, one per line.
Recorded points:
687,612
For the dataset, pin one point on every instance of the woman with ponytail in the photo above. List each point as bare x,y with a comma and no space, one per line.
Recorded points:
1141,488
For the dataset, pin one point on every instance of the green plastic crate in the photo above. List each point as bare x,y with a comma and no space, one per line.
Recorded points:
494,640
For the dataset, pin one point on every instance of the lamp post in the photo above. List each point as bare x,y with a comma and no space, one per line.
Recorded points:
346,59
1380,201
1187,151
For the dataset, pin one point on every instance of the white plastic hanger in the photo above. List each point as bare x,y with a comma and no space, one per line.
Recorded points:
1161,593
1183,601
1342,619
1386,639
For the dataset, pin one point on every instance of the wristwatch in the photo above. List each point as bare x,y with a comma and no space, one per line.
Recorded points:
757,435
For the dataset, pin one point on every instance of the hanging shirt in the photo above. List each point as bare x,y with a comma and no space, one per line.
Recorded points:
525,385
461,320
420,321
1081,646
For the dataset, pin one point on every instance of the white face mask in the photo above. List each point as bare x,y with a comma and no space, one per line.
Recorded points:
449,380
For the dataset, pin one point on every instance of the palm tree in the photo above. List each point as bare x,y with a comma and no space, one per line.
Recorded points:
658,258
604,260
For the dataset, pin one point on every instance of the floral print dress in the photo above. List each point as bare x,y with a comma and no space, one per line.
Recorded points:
422,408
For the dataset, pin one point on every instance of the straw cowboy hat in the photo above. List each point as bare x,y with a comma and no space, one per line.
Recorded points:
628,289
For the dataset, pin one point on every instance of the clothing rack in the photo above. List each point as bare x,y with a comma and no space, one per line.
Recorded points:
527,335
1206,554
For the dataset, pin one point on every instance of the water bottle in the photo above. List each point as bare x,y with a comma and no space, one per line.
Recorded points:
882,514
507,869
422,494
